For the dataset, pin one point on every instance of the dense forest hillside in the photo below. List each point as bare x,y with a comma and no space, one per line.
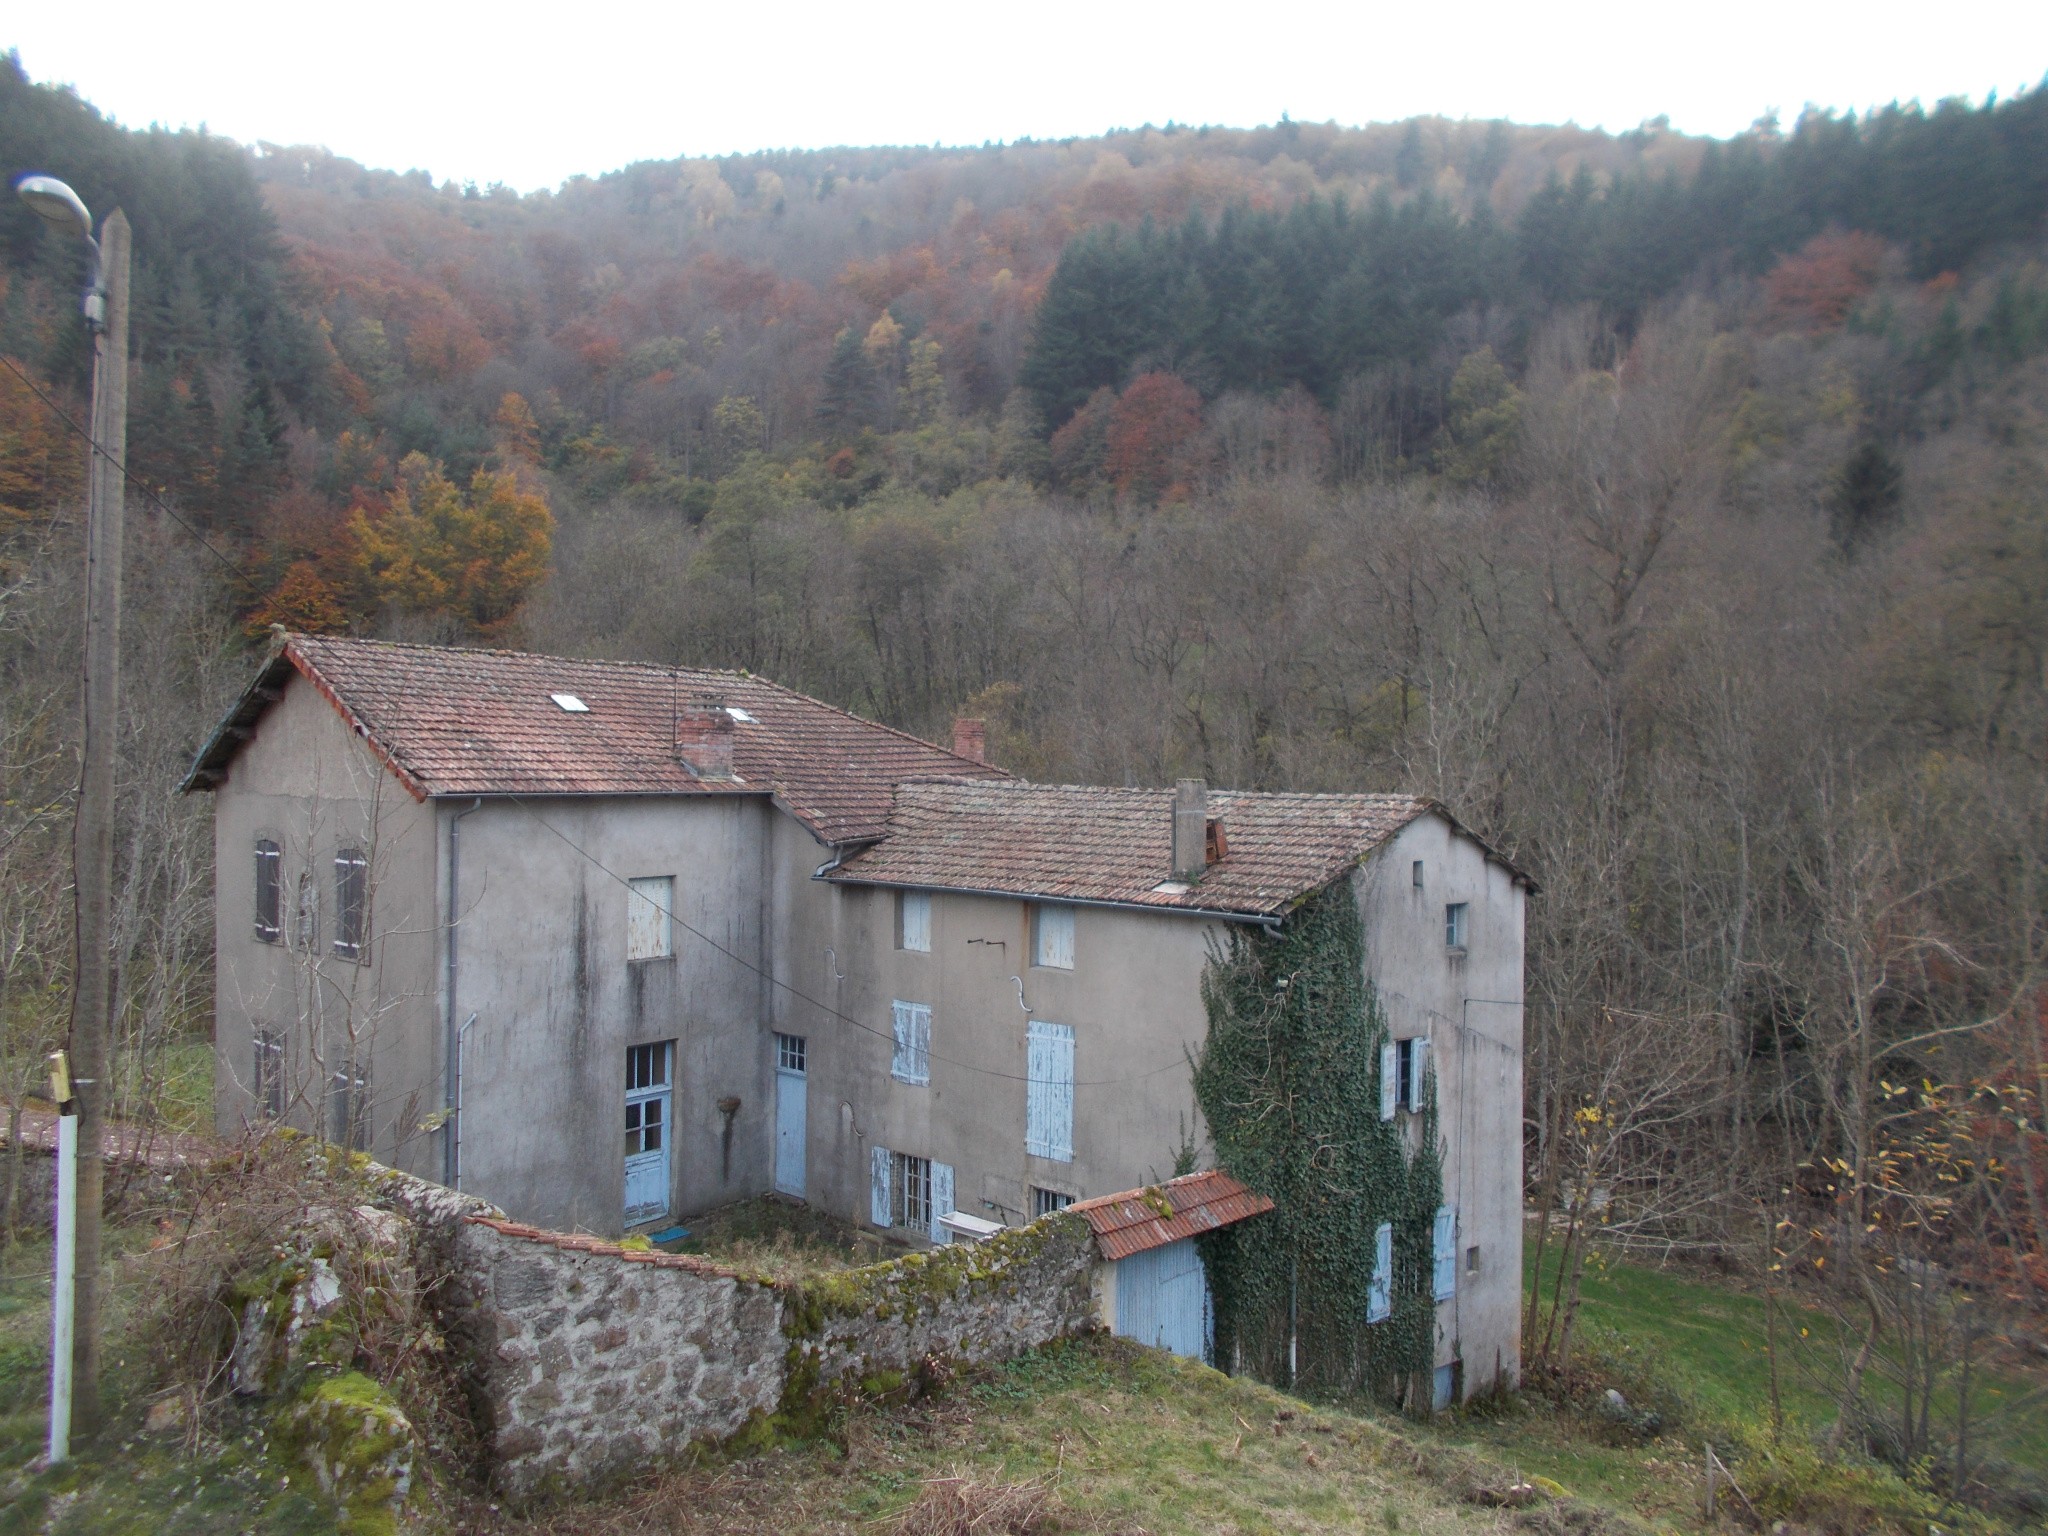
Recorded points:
1677,510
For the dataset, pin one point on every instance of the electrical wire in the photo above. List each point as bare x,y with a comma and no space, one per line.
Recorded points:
800,995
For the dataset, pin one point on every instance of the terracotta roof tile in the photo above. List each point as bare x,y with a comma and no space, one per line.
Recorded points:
1139,1219
1080,843
473,722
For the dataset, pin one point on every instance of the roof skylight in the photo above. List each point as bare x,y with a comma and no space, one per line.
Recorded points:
739,714
570,704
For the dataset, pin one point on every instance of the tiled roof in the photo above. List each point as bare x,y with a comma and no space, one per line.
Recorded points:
473,722
1139,1219
1079,843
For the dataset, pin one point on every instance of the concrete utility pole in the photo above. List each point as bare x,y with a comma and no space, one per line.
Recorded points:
93,841
92,847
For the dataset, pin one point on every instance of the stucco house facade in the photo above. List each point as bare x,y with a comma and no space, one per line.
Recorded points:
609,944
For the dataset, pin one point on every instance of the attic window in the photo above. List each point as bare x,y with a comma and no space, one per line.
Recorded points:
740,714
570,704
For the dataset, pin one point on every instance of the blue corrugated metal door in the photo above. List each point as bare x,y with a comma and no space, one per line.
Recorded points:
1162,1299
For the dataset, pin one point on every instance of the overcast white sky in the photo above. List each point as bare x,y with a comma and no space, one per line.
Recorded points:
530,94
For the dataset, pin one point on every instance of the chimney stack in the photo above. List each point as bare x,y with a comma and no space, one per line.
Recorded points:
704,736
970,740
1190,829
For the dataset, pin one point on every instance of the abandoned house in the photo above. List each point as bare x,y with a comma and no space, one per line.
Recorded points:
609,944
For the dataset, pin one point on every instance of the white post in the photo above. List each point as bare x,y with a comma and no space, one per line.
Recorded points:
62,1289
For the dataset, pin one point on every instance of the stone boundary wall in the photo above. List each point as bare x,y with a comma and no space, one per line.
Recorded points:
585,1359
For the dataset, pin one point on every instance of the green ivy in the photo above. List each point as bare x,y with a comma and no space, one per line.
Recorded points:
1288,1080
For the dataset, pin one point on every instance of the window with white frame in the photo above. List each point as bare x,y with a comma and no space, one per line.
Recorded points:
650,922
1412,1063
910,1191
1052,936
351,904
1455,924
269,891
912,1061
914,921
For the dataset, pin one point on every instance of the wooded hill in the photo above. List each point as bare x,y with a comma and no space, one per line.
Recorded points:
1673,509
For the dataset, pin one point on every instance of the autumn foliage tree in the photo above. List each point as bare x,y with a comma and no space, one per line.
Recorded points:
434,548
1818,285
1153,439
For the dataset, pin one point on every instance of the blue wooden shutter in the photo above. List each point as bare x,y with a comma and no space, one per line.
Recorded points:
1379,1304
878,1186
942,1200
1444,1252
912,1060
1390,1079
1049,1092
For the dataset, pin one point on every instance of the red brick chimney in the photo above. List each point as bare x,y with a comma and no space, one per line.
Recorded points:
970,740
704,736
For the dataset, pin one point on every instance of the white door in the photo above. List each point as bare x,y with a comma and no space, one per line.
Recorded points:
649,1096
791,1106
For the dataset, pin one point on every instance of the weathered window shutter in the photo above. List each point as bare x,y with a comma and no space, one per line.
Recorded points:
916,912
1049,1091
942,1200
912,1062
1379,1303
878,1186
1390,1079
1444,1252
1418,1059
1055,937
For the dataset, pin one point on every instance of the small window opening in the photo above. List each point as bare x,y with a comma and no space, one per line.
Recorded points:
1455,925
914,921
1418,874
1472,1260
1045,1201
570,704
791,1053
1052,937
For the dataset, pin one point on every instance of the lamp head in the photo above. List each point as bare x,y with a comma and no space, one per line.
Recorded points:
55,203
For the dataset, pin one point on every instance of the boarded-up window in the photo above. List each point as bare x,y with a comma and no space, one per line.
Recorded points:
1390,1079
1052,937
912,1062
1049,1091
351,904
267,1080
649,924
914,921
269,892
1444,1253
1379,1300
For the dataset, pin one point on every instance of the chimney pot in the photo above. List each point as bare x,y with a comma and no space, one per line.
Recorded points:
1190,829
970,739
704,733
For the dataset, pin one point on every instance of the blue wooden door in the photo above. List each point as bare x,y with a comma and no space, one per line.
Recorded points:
1162,1299
649,1094
792,1112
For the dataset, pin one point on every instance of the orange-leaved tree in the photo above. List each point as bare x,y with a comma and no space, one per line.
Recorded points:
433,548
1154,436
41,466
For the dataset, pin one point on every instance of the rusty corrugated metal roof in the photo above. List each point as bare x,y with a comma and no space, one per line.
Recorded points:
1139,1219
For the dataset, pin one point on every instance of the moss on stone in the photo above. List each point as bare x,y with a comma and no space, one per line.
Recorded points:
358,1443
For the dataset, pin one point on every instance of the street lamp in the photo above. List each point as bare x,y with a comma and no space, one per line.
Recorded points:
92,848
58,206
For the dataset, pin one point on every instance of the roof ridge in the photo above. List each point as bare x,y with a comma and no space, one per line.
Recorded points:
292,637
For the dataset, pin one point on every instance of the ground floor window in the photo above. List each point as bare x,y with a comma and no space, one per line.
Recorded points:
910,1191
1045,1201
268,1083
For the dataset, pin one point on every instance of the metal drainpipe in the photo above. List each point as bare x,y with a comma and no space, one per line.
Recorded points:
450,1089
